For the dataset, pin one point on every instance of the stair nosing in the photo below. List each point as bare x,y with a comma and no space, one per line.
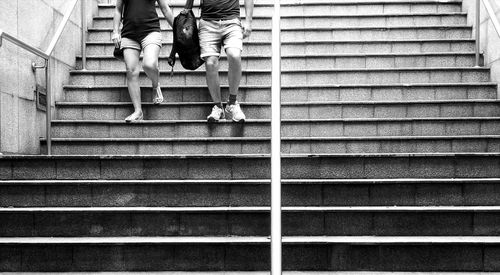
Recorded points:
381,240
253,209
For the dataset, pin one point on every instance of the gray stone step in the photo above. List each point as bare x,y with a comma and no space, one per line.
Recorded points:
311,166
233,193
289,110
309,93
327,47
315,61
249,221
290,128
338,20
298,76
312,9
388,253
331,145
347,33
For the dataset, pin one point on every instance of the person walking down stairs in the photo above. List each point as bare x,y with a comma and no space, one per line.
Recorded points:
221,26
141,31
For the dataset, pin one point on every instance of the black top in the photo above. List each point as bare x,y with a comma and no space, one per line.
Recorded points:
220,9
139,19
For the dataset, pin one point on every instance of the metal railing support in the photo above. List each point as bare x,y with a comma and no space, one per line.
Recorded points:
478,31
84,34
276,245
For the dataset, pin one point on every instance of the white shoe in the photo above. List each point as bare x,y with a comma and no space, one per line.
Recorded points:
217,113
158,98
235,113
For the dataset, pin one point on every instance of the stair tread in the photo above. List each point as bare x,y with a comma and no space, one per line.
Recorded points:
267,139
267,121
285,16
253,209
256,181
400,240
95,29
467,84
245,156
313,55
306,103
302,70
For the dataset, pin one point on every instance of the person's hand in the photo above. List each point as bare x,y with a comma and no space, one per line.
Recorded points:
116,38
247,29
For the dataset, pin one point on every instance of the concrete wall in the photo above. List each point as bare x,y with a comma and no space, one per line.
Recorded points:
34,22
490,41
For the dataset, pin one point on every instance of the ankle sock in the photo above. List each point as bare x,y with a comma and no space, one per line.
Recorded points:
232,100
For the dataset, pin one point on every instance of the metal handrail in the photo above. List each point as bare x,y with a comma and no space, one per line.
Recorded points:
276,245
48,64
494,20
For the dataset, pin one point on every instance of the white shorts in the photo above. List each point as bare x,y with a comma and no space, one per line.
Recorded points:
152,38
215,34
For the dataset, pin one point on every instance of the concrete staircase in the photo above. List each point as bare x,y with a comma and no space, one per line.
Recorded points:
391,155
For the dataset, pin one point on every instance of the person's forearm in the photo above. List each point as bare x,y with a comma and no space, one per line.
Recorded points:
249,10
167,11
117,17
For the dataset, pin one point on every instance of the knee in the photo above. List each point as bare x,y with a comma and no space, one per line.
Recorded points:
133,72
212,63
233,55
150,65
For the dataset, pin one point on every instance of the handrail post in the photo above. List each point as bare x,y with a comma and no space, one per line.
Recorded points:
276,243
478,31
48,129
84,34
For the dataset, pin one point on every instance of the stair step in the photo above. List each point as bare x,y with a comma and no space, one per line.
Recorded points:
317,61
322,8
327,47
250,193
248,221
338,20
299,76
290,128
310,93
350,33
250,253
290,110
120,146
251,166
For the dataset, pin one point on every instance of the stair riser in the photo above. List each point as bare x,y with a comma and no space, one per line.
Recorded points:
176,9
291,95
316,63
335,22
298,78
88,224
332,111
329,9
334,34
326,48
107,49
218,257
289,129
198,195
264,147
250,168
171,95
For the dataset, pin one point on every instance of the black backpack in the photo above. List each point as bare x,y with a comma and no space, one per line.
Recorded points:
186,41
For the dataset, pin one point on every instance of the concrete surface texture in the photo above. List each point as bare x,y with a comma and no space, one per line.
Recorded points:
34,22
490,39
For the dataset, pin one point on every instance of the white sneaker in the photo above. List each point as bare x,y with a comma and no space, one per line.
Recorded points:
217,113
235,113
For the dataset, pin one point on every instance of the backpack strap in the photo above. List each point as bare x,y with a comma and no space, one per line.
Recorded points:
189,4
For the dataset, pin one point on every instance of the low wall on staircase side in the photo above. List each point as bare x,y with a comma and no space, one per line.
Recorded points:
34,22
